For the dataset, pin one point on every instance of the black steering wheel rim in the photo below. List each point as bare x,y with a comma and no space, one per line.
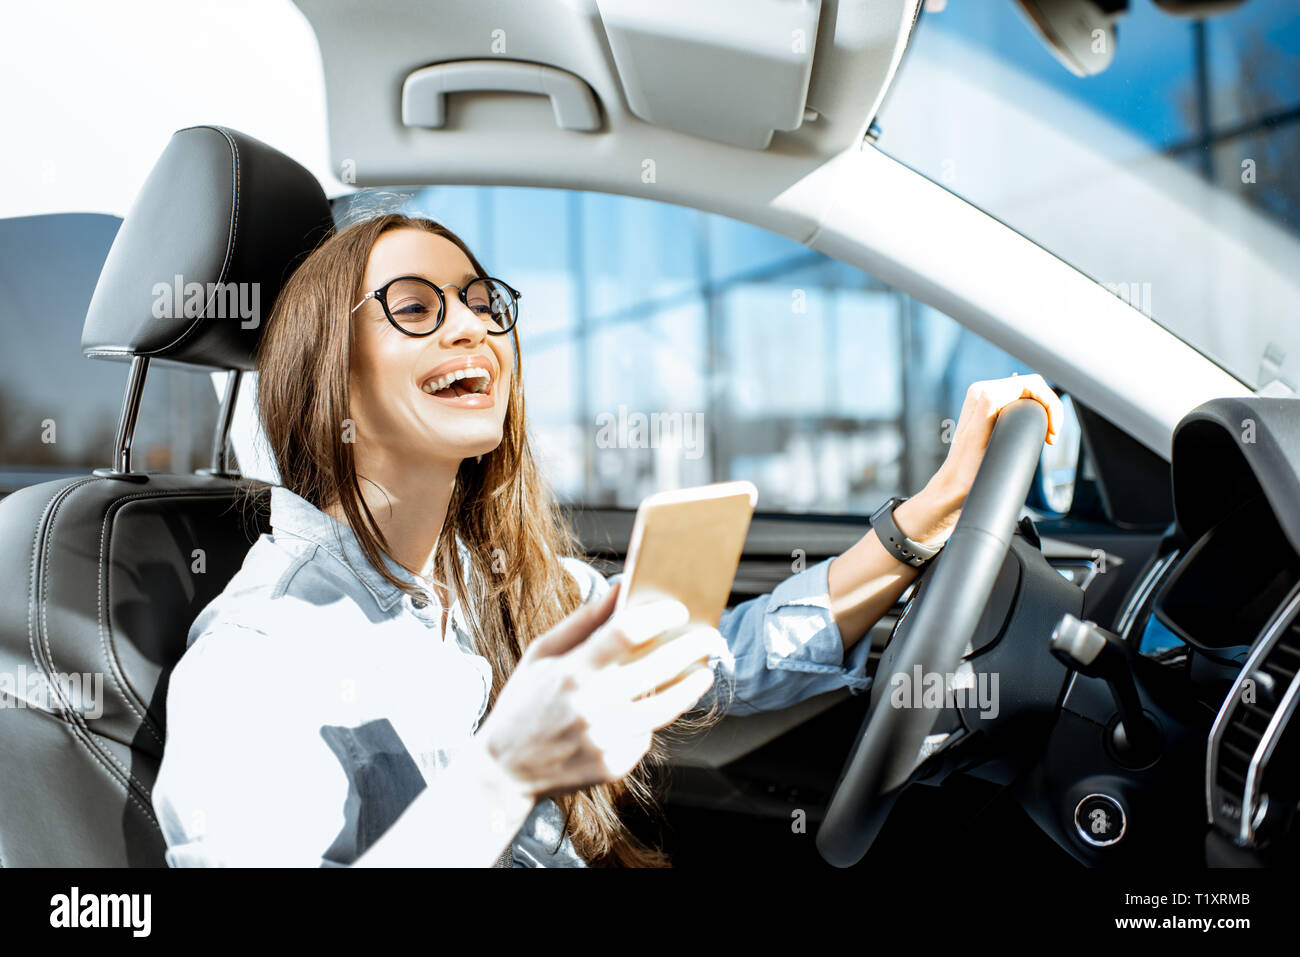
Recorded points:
885,752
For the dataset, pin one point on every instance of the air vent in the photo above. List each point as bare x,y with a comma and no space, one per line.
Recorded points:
1250,726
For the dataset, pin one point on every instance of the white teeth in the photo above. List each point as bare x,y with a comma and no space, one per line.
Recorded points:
482,376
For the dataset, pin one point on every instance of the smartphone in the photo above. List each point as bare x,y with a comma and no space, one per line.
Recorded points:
686,544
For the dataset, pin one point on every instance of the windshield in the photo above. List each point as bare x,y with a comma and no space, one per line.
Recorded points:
1170,177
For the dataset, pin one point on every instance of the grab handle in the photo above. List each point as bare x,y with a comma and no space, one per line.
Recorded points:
424,92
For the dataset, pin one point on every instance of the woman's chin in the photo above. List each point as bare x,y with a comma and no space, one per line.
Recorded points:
463,436
467,446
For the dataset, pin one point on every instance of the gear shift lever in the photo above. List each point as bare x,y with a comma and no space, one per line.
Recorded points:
1086,647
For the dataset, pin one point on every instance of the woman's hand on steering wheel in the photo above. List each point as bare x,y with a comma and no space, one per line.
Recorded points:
931,514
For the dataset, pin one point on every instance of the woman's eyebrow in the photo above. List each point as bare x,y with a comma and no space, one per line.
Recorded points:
462,281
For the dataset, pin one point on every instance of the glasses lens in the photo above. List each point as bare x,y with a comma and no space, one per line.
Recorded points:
413,305
493,301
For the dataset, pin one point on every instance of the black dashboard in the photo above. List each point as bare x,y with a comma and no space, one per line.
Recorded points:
1218,612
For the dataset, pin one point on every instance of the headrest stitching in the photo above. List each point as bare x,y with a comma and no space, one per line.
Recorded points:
230,241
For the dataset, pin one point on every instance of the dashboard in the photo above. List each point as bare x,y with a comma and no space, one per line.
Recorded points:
1218,611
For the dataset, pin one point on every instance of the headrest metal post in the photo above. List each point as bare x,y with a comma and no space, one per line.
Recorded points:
220,467
126,423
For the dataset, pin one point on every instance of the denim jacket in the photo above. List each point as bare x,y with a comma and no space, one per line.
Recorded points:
315,699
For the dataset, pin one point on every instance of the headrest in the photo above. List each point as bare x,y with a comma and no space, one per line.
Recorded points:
217,229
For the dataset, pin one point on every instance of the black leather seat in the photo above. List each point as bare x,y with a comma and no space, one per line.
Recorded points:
104,574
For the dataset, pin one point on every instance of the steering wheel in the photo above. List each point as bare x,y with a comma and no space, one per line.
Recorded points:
889,744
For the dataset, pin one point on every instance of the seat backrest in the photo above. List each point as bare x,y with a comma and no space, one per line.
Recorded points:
104,574
104,580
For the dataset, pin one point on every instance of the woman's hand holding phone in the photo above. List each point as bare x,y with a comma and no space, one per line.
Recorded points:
586,697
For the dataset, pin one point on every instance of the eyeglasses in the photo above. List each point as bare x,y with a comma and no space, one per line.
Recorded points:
417,307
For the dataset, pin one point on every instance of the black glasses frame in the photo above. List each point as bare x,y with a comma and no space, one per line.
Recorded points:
381,294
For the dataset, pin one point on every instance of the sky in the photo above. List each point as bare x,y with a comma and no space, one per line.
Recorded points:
94,90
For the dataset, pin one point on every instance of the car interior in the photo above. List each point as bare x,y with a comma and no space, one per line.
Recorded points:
1147,639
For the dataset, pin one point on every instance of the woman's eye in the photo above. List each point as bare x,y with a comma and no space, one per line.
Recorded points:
410,309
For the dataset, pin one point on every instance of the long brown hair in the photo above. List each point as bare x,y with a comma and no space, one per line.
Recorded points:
501,508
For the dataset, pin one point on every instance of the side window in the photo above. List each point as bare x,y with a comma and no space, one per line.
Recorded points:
665,347
58,409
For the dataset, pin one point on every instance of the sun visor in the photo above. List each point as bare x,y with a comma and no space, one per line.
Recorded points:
734,71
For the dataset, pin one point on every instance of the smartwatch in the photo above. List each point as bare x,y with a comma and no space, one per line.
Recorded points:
899,545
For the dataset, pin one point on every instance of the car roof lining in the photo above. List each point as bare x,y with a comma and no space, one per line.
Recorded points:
492,138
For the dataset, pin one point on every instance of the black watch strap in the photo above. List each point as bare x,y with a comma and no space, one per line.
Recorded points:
899,545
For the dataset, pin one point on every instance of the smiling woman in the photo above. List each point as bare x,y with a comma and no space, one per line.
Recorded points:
397,425
410,501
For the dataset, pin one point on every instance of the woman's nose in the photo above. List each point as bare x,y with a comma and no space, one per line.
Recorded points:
461,326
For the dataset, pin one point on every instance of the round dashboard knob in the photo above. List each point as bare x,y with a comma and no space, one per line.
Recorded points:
1099,820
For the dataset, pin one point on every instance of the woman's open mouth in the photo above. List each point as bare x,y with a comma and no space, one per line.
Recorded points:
466,383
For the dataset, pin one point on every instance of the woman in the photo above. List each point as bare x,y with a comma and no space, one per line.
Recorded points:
418,576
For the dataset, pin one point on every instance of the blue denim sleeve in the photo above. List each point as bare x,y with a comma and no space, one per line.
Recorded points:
785,648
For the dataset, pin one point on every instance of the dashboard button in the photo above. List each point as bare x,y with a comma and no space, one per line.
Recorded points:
1099,820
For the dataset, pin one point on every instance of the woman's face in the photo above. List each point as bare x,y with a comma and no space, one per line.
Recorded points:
396,418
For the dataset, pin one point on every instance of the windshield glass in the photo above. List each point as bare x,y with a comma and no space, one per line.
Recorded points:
1170,177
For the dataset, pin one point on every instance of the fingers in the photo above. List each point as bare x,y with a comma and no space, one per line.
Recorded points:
622,739
629,628
668,660
662,709
576,628
1000,393
620,755
1034,387
619,734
